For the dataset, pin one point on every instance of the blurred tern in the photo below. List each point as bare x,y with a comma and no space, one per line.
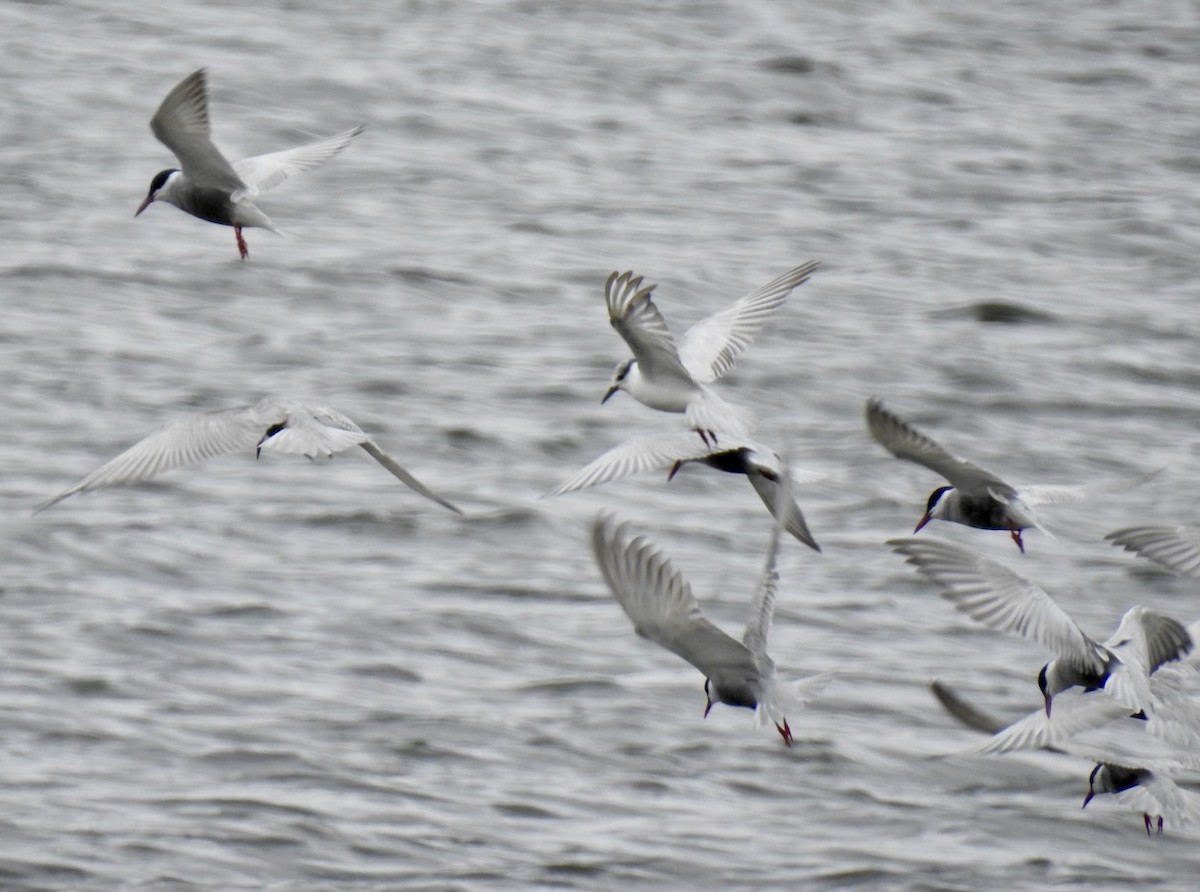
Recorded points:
270,425
1175,547
207,185
760,465
1008,602
1151,792
675,378
663,609
975,497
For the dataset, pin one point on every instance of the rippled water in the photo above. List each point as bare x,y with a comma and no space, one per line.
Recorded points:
301,675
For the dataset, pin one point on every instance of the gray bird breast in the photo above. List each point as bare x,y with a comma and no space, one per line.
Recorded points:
736,693
983,512
212,205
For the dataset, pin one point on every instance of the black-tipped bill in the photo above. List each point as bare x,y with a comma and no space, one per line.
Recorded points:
608,393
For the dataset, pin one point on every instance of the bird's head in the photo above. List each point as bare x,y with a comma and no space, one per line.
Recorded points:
934,507
618,379
1044,687
160,186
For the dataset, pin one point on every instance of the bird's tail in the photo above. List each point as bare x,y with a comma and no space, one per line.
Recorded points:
784,698
709,413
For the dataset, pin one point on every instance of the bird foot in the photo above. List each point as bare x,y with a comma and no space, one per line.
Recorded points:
1016,537
1146,818
241,243
709,437
786,733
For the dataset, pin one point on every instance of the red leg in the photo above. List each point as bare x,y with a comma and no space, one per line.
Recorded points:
1146,818
1016,537
241,242
784,731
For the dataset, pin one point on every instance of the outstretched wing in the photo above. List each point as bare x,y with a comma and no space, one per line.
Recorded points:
641,454
660,602
1003,600
181,124
1175,547
638,321
180,442
904,441
762,605
263,172
710,347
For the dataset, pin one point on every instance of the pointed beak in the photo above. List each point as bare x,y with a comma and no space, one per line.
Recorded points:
1049,700
609,393
707,705
920,523
674,470
1088,798
145,204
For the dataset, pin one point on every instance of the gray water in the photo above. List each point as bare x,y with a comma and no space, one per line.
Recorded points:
294,675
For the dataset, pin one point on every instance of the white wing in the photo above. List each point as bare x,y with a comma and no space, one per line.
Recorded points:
181,124
405,477
638,321
661,605
762,605
1075,712
1175,547
270,425
1149,639
263,172
1001,599
709,347
1053,494
180,442
641,454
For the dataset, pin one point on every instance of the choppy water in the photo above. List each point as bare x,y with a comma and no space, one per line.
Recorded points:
292,675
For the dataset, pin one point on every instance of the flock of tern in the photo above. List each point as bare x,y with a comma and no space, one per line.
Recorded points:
1125,703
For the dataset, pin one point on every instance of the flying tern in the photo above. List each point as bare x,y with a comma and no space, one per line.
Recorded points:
270,425
675,377
975,497
208,186
1005,601
674,449
1150,791
663,609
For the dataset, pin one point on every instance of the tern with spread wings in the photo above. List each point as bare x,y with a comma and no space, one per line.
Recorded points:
270,425
208,186
663,609
975,497
674,377
1003,600
674,449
